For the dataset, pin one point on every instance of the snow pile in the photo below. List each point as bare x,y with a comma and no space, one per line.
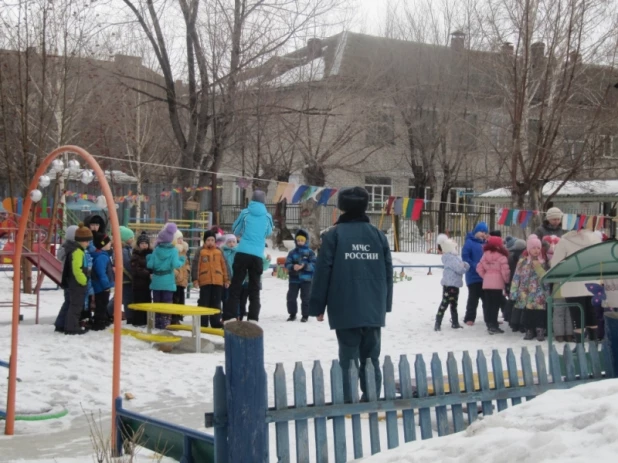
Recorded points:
568,426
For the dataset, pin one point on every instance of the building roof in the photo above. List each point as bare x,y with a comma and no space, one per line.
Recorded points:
597,190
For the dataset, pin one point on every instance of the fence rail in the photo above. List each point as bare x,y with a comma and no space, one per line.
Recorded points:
455,399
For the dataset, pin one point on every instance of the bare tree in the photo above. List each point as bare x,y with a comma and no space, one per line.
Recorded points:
552,71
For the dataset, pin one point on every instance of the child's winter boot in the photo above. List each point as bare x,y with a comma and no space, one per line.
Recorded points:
455,320
592,334
540,334
529,335
436,327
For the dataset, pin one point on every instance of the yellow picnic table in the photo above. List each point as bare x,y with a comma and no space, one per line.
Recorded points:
176,309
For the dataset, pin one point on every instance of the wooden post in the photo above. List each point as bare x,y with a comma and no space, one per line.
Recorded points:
245,380
611,338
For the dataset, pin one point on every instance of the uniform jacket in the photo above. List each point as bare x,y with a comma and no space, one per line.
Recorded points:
163,261
570,243
353,275
454,270
182,273
102,272
253,225
494,270
472,253
139,270
209,267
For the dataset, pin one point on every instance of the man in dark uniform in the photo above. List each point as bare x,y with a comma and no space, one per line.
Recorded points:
354,281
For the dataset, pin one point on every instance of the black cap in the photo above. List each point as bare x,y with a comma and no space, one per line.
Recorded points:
495,233
209,234
353,200
100,240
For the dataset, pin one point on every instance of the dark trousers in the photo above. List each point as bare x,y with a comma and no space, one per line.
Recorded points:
492,298
475,294
589,314
127,298
304,288
60,319
210,296
162,320
140,317
75,308
101,317
450,296
244,264
534,319
179,298
244,298
357,345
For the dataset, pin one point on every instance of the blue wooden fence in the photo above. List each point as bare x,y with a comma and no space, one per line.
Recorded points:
455,400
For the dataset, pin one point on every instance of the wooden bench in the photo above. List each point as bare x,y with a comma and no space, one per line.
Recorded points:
156,338
203,329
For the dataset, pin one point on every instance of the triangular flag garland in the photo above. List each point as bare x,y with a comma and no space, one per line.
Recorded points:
507,217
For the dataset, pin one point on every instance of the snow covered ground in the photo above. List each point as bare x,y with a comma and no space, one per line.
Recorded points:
570,426
75,372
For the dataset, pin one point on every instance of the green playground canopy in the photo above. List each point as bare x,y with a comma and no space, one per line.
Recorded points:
591,263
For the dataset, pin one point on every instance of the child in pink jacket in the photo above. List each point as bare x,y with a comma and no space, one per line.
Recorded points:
494,270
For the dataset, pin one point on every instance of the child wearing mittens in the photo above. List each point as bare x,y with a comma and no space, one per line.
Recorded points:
163,261
452,280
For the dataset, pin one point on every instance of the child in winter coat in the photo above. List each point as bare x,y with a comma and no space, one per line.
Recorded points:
452,280
300,265
527,291
494,270
141,278
127,237
67,248
229,252
182,274
102,280
471,254
163,261
516,248
209,274
75,278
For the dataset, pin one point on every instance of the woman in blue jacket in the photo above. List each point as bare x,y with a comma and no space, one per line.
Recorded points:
471,254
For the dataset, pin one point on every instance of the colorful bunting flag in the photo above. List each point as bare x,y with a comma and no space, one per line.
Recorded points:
389,204
582,222
279,192
503,216
298,194
418,209
398,206
406,208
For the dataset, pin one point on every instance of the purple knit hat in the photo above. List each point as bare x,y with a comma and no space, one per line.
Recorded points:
167,234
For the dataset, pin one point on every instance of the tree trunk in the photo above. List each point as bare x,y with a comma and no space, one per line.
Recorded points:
310,213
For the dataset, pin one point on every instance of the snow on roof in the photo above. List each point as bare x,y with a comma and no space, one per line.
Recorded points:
591,189
309,72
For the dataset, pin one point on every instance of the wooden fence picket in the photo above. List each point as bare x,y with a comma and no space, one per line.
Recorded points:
468,373
302,426
281,403
357,433
595,361
569,364
582,359
370,390
420,373
483,375
336,385
438,389
392,436
526,367
511,365
496,366
554,365
319,423
405,384
541,369
453,382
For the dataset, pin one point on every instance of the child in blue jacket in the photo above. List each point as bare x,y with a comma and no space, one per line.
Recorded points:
300,265
102,280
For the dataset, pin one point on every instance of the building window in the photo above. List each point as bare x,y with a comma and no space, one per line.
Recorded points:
609,147
413,190
237,195
573,149
379,189
380,129
459,199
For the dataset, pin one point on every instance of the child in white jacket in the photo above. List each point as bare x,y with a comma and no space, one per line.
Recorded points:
452,280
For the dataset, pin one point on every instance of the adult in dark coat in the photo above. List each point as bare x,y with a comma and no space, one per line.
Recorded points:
354,282
552,225
141,277
96,223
